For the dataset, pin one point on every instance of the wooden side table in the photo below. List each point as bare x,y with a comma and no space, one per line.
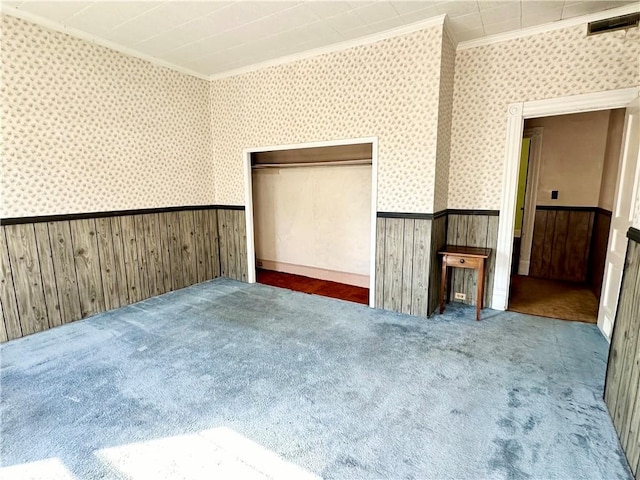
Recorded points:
464,257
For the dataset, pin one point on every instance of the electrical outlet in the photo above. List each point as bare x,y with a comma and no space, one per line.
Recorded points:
460,296
259,264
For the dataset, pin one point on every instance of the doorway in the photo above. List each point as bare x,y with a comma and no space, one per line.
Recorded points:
311,217
626,202
569,177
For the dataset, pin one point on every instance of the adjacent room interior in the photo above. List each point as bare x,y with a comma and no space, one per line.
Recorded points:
226,229
566,192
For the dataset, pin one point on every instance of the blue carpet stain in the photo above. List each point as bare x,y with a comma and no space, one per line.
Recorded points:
336,388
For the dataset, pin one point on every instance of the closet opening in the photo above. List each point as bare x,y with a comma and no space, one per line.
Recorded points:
311,217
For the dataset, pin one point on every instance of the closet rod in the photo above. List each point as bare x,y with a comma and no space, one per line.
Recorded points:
312,164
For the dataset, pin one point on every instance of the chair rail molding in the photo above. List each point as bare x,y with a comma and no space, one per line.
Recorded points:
516,114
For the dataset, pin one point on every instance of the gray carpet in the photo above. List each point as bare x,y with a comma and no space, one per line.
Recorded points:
230,380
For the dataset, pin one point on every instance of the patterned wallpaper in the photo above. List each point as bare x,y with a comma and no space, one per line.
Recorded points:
388,89
553,64
445,105
85,128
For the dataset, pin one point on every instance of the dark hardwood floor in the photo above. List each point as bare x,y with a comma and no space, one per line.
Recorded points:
314,286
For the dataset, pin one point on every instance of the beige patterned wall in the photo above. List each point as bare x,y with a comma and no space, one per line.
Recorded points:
388,89
445,105
553,64
85,128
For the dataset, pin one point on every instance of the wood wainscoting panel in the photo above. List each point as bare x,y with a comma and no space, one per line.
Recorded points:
598,254
27,280
621,393
403,247
561,243
232,236
87,261
56,272
477,229
10,315
438,240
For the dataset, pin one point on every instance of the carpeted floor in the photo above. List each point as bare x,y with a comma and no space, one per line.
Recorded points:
230,380
315,286
553,299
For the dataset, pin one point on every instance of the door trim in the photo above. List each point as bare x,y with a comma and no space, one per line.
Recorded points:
530,198
516,114
248,199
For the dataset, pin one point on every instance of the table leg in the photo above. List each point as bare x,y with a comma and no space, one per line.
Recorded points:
443,282
480,294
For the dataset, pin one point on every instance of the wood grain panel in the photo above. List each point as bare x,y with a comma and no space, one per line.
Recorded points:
537,244
65,271
380,261
203,245
561,244
7,292
153,245
106,256
407,266
242,244
85,252
3,330
457,275
49,286
421,261
597,257
438,241
132,269
188,248
119,263
165,253
224,247
70,269
141,254
27,280
394,249
621,389
492,243
174,238
214,251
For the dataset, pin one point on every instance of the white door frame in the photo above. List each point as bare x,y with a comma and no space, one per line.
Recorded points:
248,201
516,114
530,198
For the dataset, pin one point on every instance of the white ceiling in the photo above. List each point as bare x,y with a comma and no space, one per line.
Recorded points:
211,37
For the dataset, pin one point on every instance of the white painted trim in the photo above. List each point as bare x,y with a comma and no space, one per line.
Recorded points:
507,219
374,219
516,113
347,278
530,197
248,195
335,47
248,210
548,27
588,102
76,33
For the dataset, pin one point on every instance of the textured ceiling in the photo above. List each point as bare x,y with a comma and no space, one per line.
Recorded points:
212,37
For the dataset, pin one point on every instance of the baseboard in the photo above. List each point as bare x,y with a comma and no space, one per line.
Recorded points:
354,279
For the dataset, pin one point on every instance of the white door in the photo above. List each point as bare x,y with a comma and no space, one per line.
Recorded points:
621,219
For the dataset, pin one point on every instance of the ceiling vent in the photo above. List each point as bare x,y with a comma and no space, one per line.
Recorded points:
614,23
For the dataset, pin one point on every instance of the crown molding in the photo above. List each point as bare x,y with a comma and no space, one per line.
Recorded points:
335,47
548,27
74,32
448,30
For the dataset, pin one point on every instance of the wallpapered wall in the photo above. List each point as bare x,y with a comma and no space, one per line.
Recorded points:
488,78
445,106
388,89
85,128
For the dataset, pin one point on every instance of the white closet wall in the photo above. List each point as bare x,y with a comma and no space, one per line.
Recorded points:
314,221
